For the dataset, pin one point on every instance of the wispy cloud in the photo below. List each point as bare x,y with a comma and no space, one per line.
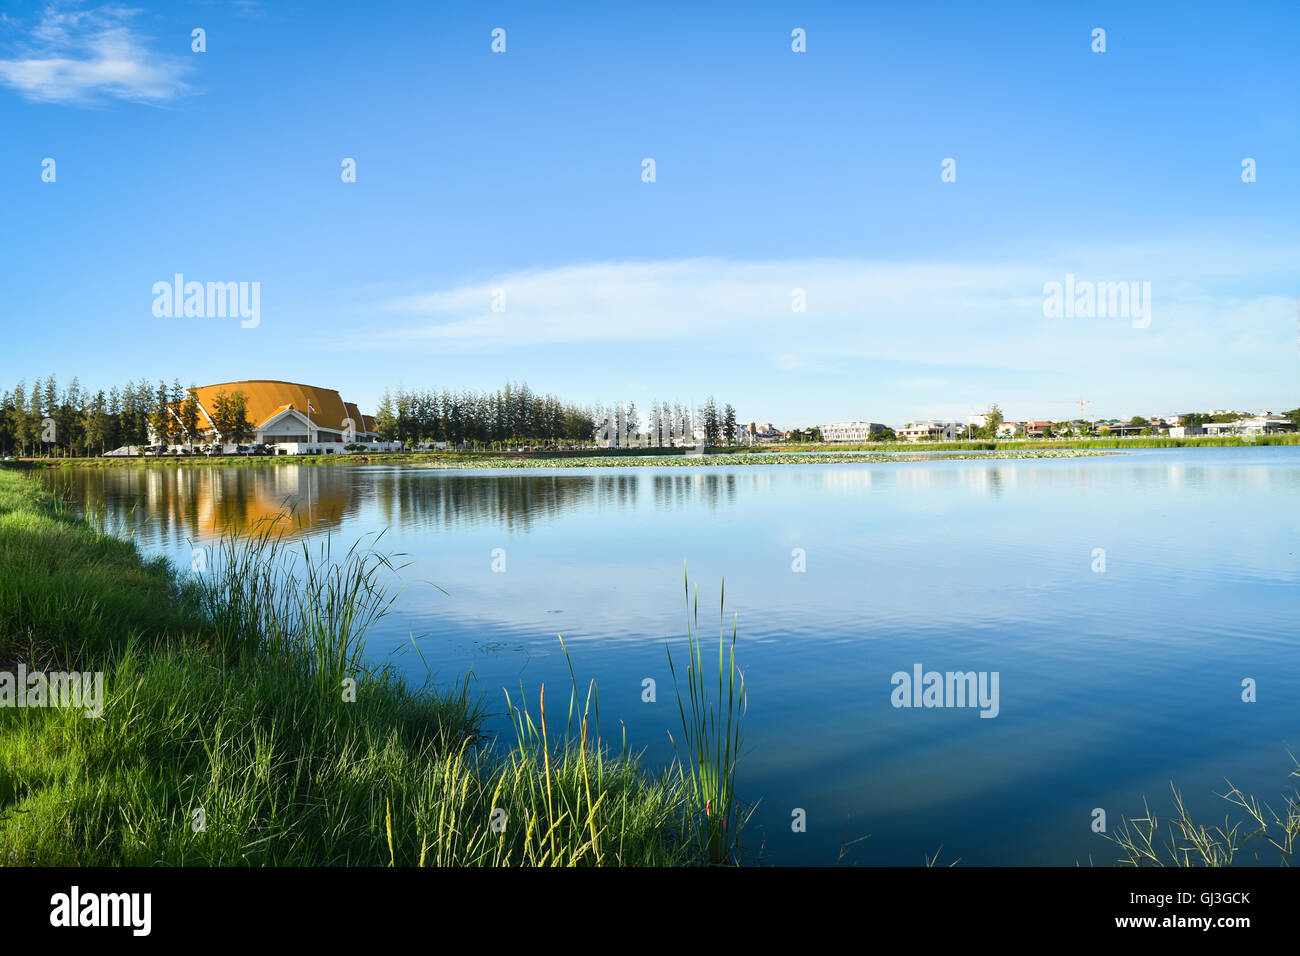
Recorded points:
1206,301
82,56
924,383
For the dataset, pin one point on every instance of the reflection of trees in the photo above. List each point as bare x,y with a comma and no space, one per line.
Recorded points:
677,489
175,505
419,498
195,502
425,499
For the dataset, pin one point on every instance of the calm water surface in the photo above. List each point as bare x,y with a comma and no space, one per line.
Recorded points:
1111,684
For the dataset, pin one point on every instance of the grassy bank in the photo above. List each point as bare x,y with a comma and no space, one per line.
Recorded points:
231,732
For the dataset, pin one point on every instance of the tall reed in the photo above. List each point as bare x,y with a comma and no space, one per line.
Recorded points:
711,737
267,594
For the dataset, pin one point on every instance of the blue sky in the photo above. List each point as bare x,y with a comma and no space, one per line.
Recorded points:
775,171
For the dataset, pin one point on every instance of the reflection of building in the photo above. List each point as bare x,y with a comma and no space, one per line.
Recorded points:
294,497
289,417
851,431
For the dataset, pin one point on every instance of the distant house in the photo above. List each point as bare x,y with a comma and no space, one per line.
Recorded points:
931,430
851,431
1124,429
1037,429
1011,429
1256,425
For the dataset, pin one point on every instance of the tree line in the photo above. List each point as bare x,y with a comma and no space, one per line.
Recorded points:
46,419
72,421
666,424
514,414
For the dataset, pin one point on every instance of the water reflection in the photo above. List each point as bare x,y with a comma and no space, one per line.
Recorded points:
193,503
169,506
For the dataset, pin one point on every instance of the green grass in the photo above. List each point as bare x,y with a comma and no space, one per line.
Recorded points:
71,595
229,703
1261,833
711,738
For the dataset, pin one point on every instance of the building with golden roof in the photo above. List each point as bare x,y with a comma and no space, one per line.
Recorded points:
289,416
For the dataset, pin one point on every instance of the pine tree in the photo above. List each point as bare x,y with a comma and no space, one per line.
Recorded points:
385,419
190,416
712,426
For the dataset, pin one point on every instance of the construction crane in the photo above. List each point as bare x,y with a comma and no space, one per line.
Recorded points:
1072,401
1082,402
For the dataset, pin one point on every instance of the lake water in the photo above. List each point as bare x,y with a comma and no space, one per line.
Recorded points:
1111,684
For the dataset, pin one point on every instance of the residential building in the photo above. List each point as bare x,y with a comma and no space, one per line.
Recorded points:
1011,430
851,431
932,430
1256,425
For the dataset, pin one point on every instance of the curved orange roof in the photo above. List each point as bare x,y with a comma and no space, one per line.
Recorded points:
268,397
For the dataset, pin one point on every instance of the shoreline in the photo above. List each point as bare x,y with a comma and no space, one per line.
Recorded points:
496,460
825,453
240,724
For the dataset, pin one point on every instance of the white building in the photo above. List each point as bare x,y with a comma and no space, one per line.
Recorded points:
287,418
931,429
851,431
1258,425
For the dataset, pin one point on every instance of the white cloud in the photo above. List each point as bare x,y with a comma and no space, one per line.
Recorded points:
83,56
1207,302
924,383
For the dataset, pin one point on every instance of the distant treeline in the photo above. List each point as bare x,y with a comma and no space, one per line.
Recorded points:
44,419
513,414
47,420
516,415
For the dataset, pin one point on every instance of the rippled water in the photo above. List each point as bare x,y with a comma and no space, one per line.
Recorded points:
1111,684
